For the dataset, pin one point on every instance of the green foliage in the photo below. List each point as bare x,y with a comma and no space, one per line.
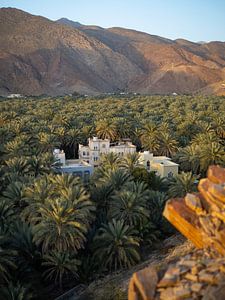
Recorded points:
182,184
67,220
54,227
15,292
130,204
58,265
7,215
7,263
116,245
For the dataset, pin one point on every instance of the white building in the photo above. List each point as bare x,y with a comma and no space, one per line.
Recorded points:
97,147
162,165
76,167
90,156
15,96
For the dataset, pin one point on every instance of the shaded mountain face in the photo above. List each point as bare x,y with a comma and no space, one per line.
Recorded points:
39,56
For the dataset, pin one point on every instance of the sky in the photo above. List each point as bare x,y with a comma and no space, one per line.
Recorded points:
195,20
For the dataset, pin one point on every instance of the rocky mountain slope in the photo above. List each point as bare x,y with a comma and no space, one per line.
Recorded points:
39,56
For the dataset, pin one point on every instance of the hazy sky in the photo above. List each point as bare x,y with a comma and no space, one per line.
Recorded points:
196,20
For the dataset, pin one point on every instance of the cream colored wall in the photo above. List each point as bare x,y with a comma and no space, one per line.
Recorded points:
167,169
122,149
164,170
144,157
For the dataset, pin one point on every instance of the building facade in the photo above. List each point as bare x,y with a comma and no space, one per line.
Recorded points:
98,147
162,165
90,157
77,167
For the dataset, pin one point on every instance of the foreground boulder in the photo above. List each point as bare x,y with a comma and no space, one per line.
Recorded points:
200,274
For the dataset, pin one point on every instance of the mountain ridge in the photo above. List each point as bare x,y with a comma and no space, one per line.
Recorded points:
40,56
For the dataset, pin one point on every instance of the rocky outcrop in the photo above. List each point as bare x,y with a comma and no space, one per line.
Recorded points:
200,274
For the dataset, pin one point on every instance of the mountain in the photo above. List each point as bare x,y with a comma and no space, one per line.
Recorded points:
66,21
40,56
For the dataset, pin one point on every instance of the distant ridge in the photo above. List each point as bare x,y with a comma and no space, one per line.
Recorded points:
40,56
66,21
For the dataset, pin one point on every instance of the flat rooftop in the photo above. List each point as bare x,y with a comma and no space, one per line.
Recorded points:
122,145
165,162
75,163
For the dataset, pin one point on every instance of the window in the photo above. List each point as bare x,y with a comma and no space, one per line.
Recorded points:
84,153
103,145
87,153
77,173
86,175
170,174
148,165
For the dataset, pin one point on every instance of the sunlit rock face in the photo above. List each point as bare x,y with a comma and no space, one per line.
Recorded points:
39,56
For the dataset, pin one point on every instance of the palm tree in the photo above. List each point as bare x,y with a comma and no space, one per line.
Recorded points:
219,126
62,224
15,167
38,193
6,260
157,183
116,179
14,147
58,265
15,292
14,193
123,129
149,137
130,204
47,141
61,119
116,245
210,154
167,144
7,215
156,204
73,138
37,166
28,256
63,182
149,233
101,195
60,133
204,138
106,129
80,200
110,161
188,158
182,184
130,162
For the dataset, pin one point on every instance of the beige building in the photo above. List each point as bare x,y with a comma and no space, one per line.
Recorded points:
97,147
89,157
162,165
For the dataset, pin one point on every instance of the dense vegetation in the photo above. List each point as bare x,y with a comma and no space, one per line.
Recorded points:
56,231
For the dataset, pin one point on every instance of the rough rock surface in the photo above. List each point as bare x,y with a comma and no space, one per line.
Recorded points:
201,273
39,56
